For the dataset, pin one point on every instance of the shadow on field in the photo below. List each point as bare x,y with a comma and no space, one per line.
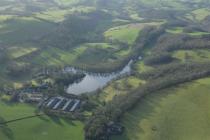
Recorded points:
8,103
6,130
56,120
43,118
70,122
146,108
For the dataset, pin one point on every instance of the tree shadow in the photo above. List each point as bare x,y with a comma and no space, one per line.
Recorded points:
6,130
56,120
43,118
145,109
70,122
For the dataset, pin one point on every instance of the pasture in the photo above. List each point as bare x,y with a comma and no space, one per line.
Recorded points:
179,113
17,52
78,55
38,128
119,87
141,67
200,14
127,33
192,55
180,30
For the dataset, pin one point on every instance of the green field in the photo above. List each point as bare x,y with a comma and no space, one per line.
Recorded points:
180,30
57,57
58,15
16,52
180,113
127,33
80,55
141,67
192,55
39,128
118,87
200,14
67,2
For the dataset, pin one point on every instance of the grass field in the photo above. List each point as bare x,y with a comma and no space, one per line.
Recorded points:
88,53
192,55
67,2
164,4
141,67
16,52
57,57
180,30
180,113
58,15
201,14
127,33
122,86
39,128
5,17
55,15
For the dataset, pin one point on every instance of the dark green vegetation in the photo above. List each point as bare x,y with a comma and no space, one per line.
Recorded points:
103,36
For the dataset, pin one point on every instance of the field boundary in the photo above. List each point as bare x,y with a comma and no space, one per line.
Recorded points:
20,119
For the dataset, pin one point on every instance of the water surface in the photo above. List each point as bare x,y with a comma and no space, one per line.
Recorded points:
94,81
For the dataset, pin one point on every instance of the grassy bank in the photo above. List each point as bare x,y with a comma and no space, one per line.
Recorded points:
179,113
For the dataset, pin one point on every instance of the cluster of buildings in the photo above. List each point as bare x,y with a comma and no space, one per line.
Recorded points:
58,103
30,97
62,104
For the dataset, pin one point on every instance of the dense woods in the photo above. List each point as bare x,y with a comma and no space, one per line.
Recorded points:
67,78
80,28
161,58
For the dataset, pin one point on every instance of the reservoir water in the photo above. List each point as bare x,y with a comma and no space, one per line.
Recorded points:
93,81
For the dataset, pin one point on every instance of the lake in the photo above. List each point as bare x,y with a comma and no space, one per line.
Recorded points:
93,81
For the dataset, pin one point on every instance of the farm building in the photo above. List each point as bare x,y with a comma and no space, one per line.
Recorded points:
62,104
31,97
